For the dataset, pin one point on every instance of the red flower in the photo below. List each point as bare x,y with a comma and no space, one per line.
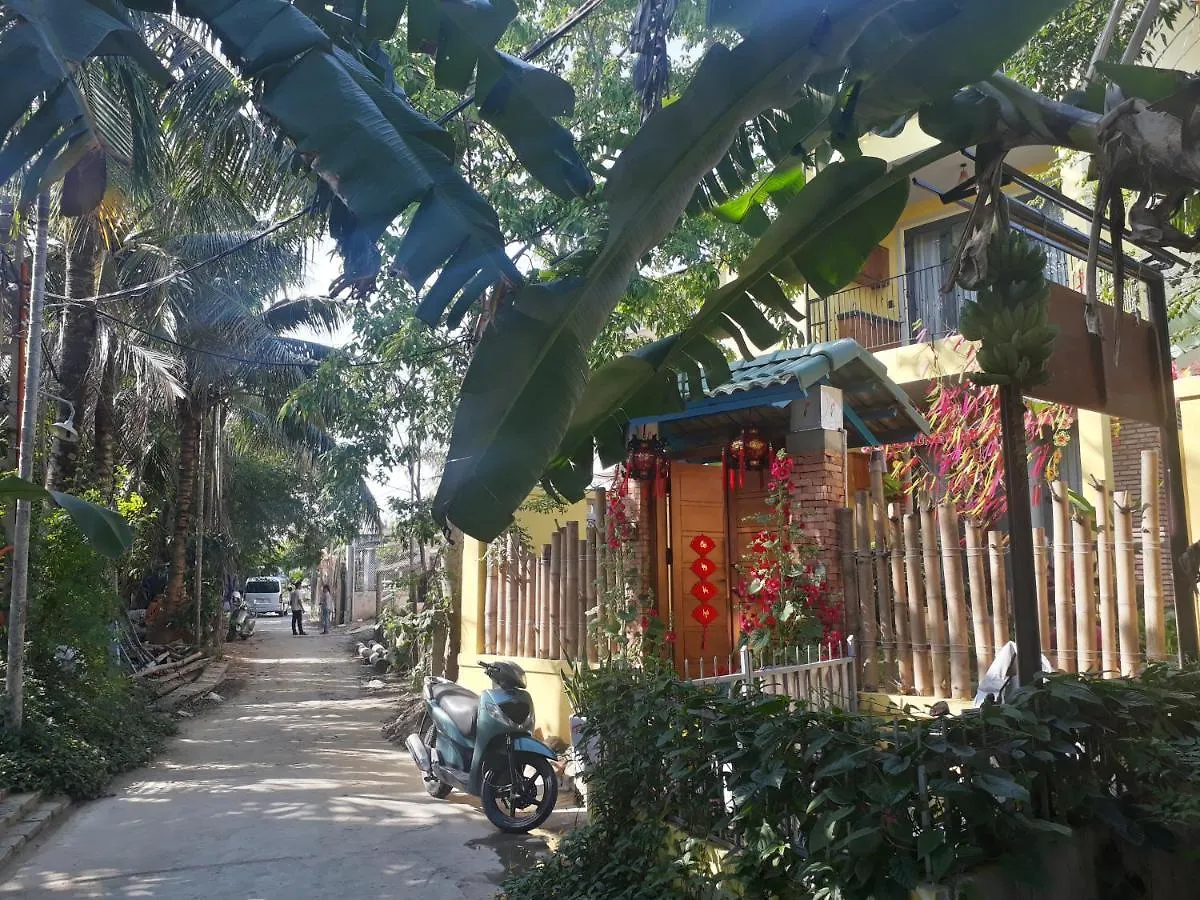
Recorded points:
669,637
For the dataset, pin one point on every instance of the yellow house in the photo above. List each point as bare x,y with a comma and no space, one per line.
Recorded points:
545,676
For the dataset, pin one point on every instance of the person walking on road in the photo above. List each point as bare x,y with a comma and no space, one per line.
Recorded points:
325,604
297,606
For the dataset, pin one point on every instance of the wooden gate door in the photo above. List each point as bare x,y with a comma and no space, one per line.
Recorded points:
698,508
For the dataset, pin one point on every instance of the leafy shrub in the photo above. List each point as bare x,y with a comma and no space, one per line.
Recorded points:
824,804
84,722
78,733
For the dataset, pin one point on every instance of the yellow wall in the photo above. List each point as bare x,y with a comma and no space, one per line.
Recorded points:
544,676
1187,390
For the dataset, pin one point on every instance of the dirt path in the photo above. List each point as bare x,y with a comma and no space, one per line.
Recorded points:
285,791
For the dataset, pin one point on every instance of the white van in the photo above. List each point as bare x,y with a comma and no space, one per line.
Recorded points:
265,594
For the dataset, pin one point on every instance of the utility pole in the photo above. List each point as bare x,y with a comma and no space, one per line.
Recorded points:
15,674
198,587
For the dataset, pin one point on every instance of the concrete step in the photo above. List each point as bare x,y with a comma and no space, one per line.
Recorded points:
36,819
14,807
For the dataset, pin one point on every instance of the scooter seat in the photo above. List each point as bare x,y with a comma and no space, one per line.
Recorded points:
460,704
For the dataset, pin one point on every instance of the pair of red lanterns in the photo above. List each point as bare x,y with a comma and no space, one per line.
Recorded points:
749,451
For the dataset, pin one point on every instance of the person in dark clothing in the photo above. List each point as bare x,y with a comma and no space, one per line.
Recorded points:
297,606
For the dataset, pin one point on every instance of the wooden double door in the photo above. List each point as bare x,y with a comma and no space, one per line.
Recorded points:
705,518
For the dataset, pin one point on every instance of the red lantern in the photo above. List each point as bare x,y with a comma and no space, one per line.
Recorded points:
758,451
647,461
705,614
747,451
704,567
702,545
704,591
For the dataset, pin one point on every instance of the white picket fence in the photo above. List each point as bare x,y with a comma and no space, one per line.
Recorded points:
816,677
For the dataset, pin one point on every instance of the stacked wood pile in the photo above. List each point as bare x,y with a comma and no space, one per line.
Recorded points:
544,604
176,673
927,591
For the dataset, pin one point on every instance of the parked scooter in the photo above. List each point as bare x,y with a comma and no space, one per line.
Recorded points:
241,623
483,745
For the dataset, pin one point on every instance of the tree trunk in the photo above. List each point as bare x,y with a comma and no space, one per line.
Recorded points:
104,437
78,346
189,418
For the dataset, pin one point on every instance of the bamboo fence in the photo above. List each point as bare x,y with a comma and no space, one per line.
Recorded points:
542,604
931,598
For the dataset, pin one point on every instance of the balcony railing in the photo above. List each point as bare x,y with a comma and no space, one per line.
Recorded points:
911,307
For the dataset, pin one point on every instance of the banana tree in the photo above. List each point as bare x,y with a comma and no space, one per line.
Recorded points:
106,530
530,409
322,82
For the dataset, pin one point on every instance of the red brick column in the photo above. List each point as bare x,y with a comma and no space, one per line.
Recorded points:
819,490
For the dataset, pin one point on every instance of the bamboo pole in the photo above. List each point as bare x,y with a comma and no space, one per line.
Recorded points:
1001,629
531,601
868,660
1110,659
1041,577
883,584
513,629
570,600
1087,658
544,603
845,529
935,624
904,647
582,605
922,667
603,584
593,591
556,586
1064,619
1127,617
491,605
956,603
981,620
1152,565
521,604
502,565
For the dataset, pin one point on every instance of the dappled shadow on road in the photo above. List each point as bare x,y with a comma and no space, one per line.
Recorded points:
287,790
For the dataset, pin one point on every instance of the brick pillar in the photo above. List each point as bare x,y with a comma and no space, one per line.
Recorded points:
819,489
817,444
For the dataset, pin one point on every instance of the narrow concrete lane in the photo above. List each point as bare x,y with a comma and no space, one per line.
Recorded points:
287,790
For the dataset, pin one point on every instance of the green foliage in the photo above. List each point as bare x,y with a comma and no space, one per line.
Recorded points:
826,804
1056,58
79,731
84,720
107,531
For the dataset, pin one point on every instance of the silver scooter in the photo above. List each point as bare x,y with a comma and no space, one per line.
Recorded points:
241,623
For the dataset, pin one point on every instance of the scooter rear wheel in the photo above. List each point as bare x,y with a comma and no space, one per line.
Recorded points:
438,790
525,806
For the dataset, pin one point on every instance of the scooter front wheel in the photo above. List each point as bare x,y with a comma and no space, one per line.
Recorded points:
520,807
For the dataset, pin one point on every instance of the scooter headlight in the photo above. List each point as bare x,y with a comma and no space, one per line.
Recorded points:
515,713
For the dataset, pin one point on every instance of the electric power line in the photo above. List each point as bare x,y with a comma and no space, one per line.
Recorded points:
266,363
165,279
533,51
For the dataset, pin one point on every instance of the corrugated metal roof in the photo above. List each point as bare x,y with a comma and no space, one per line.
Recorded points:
874,403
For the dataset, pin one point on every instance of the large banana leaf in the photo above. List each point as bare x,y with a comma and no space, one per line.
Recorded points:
529,371
825,233
107,531
915,54
39,52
